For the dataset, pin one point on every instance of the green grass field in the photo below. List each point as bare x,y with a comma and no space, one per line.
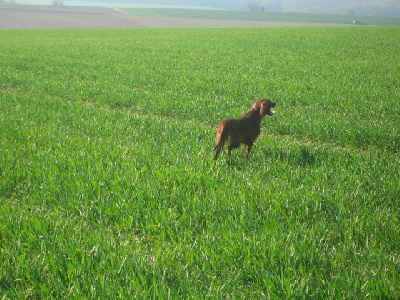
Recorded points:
262,16
107,185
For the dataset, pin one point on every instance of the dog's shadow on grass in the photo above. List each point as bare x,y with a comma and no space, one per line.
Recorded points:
306,157
302,156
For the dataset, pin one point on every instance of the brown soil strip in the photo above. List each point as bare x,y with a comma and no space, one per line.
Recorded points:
35,16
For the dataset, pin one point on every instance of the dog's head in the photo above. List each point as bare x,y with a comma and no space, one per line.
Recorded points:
265,107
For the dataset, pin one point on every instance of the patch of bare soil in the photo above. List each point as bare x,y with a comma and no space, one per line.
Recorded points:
38,16
42,17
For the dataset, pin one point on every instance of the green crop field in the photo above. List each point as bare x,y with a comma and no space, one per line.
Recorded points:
108,188
262,16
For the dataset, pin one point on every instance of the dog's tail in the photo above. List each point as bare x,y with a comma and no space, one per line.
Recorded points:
221,136
220,140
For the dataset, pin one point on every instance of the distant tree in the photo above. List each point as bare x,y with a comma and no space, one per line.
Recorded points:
253,5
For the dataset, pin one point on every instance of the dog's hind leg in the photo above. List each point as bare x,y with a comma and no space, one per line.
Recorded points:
247,148
217,149
228,154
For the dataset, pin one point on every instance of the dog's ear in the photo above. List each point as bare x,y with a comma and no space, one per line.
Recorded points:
257,105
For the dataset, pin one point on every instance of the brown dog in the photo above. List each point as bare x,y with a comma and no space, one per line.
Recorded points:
244,130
